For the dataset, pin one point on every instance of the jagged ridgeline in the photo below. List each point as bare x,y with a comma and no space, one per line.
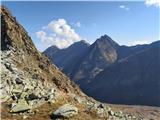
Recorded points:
33,88
112,73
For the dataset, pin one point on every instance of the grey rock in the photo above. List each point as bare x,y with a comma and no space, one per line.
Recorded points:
101,106
18,81
28,87
33,96
24,95
111,113
35,76
101,112
8,65
118,114
52,90
65,111
36,102
17,89
21,106
14,97
51,97
4,94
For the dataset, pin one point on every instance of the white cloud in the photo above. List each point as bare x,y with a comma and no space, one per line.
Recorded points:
140,42
124,7
41,35
153,3
78,24
61,34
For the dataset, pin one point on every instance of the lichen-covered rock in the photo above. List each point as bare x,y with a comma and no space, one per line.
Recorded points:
21,106
36,102
65,111
111,113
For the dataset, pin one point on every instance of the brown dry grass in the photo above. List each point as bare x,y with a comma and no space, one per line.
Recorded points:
44,111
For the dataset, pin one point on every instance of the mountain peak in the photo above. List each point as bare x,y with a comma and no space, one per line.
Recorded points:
54,47
84,42
80,43
105,39
105,36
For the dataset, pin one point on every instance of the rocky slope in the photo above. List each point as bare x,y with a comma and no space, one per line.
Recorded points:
34,89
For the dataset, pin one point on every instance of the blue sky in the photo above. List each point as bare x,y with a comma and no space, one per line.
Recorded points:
62,23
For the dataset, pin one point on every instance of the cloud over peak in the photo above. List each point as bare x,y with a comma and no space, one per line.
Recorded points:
124,7
153,3
60,34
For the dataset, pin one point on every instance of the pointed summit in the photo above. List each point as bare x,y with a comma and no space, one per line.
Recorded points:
106,48
84,42
80,44
106,40
52,49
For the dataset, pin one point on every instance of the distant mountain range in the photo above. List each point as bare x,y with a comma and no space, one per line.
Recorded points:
112,73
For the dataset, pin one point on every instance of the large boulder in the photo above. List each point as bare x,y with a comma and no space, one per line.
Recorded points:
65,111
21,106
34,95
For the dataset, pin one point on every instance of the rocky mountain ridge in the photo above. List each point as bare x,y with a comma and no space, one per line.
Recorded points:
93,58
139,85
104,55
63,58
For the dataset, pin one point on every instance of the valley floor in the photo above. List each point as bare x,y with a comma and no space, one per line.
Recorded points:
147,112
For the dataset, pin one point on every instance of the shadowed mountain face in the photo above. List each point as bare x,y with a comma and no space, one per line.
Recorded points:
133,80
64,58
113,73
82,61
101,54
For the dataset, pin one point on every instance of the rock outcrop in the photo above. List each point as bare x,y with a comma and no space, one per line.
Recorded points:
65,111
